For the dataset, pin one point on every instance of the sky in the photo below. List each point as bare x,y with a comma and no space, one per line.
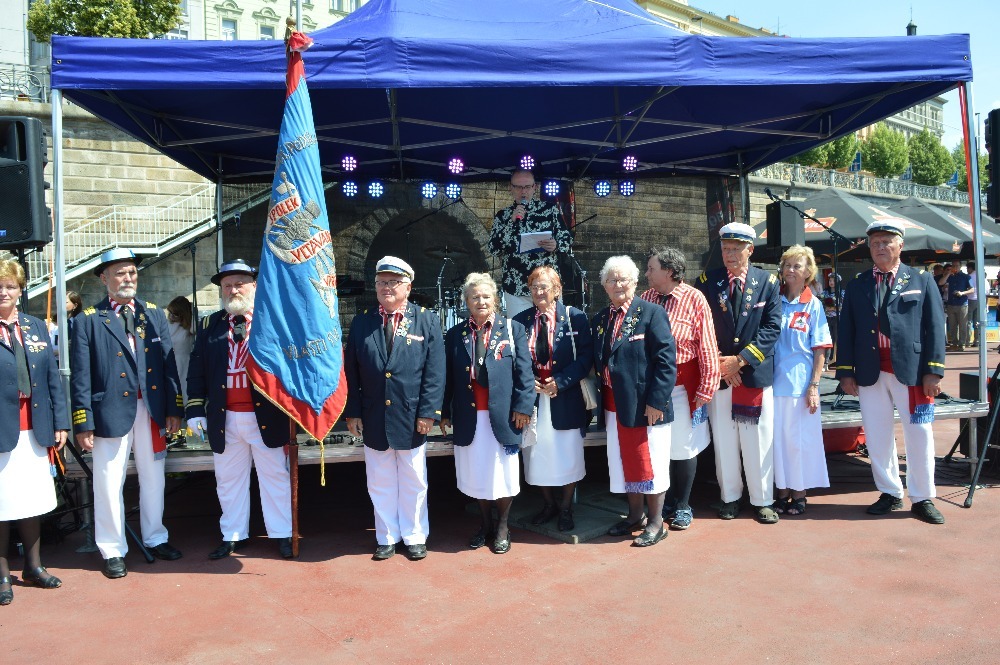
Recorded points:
980,19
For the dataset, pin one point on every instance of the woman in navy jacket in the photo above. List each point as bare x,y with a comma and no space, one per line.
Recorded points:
561,355
488,396
635,359
31,393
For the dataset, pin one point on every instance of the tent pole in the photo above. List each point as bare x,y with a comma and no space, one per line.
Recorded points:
60,239
298,15
744,192
218,214
976,217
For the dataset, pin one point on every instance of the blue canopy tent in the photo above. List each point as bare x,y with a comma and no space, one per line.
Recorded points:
405,85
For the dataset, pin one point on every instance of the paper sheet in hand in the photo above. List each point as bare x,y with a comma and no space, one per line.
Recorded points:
529,241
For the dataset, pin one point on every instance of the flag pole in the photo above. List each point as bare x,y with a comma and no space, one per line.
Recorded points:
293,478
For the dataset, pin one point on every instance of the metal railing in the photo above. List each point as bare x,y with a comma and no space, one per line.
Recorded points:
797,174
27,82
148,230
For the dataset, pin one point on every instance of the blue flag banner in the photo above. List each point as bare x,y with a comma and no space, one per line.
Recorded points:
296,350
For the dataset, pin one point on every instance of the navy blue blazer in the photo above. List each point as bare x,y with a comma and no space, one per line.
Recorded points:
643,362
105,380
916,328
512,385
390,391
48,401
755,331
568,410
206,384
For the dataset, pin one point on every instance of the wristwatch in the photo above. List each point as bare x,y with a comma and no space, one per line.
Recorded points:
741,361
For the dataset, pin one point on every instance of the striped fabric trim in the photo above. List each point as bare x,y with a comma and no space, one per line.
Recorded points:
79,417
756,352
935,364
196,402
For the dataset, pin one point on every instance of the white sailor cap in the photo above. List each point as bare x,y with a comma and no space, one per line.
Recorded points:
234,267
738,231
116,255
395,265
885,226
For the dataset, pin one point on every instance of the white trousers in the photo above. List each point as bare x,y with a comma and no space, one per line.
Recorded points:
397,485
751,444
110,459
245,448
877,402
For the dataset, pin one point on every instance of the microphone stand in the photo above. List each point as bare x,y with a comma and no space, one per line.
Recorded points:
442,314
580,268
430,214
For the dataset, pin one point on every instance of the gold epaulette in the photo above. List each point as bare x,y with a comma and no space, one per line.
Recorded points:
204,321
365,312
703,277
150,305
922,271
772,278
90,310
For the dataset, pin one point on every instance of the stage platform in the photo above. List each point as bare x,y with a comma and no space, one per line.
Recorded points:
342,447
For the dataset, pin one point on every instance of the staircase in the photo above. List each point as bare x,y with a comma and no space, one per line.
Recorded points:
149,231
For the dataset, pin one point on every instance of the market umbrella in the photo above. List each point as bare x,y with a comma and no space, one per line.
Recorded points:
850,217
957,228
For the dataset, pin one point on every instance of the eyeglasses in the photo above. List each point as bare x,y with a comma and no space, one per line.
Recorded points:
391,283
541,288
625,281
524,187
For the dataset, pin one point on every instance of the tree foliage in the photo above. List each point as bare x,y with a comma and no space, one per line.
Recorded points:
931,161
836,154
103,18
885,152
958,155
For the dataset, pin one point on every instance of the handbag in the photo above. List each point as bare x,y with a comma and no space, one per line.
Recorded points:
588,384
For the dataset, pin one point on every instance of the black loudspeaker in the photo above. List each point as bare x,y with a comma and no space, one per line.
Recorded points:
785,227
25,221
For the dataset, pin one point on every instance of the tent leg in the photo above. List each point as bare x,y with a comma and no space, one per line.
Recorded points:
744,190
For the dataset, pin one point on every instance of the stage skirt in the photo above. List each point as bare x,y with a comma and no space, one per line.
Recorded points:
799,456
659,455
26,486
557,457
483,469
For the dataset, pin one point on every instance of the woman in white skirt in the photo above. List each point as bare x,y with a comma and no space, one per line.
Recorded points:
30,393
799,456
635,358
488,397
561,355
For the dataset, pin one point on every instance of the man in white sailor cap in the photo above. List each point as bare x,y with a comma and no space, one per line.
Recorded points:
890,354
126,399
395,369
243,427
746,312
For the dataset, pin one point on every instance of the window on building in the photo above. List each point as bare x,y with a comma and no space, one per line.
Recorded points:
177,33
267,32
228,30
184,7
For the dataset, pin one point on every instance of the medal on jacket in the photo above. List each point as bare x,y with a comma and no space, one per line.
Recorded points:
140,329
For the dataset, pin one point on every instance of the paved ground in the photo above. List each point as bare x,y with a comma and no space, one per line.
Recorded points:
833,586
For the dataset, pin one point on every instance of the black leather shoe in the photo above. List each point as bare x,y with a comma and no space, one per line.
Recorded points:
226,548
7,597
41,578
886,503
547,512
416,552
383,552
166,552
285,547
927,511
114,568
648,538
566,522
625,527
479,539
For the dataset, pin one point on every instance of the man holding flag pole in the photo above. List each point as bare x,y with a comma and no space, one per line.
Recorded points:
297,361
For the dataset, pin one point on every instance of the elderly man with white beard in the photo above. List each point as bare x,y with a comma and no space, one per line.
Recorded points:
125,399
243,427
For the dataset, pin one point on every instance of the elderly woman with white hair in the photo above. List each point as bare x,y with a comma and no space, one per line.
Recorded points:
635,358
799,456
489,394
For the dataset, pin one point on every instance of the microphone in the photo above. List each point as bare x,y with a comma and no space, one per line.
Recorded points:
767,190
519,216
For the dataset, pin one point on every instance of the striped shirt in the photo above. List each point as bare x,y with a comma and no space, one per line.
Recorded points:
616,316
533,338
238,397
694,333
